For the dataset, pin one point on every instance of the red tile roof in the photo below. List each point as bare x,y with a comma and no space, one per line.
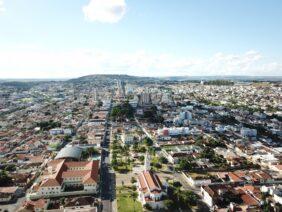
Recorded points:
87,171
149,182
249,200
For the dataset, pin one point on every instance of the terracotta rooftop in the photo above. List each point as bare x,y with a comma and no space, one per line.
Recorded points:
149,181
87,171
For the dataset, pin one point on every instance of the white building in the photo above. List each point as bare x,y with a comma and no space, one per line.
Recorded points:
56,131
150,189
63,178
247,132
198,180
174,131
128,138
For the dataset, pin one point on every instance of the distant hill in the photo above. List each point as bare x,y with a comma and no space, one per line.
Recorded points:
231,78
20,85
109,78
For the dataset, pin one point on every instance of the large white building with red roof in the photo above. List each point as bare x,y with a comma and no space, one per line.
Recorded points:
150,189
63,178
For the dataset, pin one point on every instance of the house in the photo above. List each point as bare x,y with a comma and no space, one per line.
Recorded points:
21,179
197,179
60,131
9,193
56,131
39,205
173,131
277,168
150,189
174,154
275,191
79,204
247,132
214,195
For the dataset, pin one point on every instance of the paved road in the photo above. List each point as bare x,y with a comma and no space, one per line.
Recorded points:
107,179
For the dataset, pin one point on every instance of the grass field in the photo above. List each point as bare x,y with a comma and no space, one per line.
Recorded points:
125,201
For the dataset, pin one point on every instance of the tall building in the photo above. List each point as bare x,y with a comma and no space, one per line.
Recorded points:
96,95
144,99
121,89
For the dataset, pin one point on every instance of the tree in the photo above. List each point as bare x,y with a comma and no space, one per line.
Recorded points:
185,164
84,154
122,111
183,199
133,195
147,206
10,167
100,104
67,138
176,184
148,141
151,150
133,180
163,160
142,149
141,158
5,179
47,125
92,151
62,201
188,197
169,204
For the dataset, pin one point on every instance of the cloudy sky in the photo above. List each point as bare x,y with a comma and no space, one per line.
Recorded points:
70,38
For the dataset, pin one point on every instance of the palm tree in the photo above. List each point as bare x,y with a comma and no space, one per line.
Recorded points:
133,195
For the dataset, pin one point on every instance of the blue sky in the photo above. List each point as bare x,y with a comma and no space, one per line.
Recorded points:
51,38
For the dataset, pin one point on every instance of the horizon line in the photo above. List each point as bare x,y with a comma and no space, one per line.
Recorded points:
193,76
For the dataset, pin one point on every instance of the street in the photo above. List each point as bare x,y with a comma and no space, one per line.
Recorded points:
107,178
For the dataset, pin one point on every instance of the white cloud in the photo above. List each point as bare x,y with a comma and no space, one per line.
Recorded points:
30,62
2,8
105,11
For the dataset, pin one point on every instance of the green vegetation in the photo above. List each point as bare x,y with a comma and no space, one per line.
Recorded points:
5,179
10,167
163,160
246,164
186,164
100,104
219,82
148,141
21,85
47,125
151,150
179,198
218,160
127,200
215,143
232,104
89,152
122,111
152,115
133,180
121,161
67,138
55,145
